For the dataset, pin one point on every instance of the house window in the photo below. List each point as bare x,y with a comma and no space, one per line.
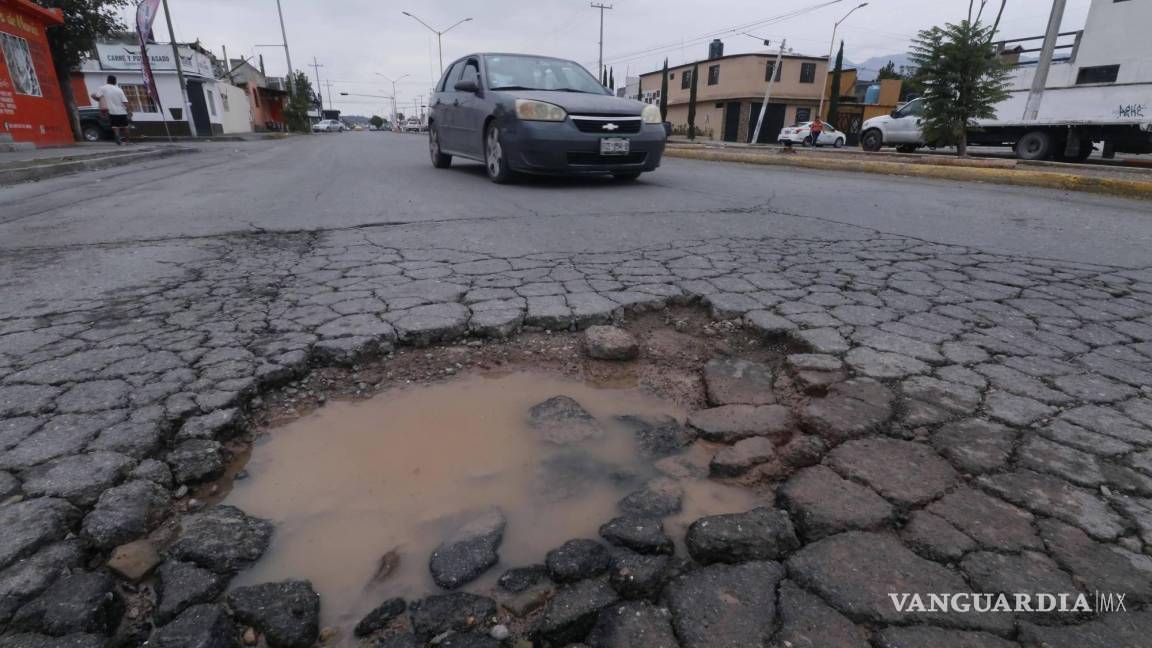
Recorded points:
1098,74
807,73
803,115
686,80
138,99
20,66
768,71
211,102
713,74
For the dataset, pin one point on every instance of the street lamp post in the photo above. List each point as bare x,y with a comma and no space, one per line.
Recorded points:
439,34
393,82
287,54
824,88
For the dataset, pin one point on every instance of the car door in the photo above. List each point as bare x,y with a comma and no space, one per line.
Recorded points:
471,111
905,125
444,109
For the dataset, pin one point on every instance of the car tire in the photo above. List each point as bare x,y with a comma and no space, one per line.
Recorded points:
631,176
1035,145
439,160
839,143
495,159
872,140
91,133
807,141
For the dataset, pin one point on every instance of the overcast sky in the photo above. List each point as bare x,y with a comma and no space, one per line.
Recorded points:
356,39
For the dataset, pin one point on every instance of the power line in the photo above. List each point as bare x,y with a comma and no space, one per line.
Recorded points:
629,56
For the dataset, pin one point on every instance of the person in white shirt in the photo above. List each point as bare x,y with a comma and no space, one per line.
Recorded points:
114,104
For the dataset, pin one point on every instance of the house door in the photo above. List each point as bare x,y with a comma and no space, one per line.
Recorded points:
732,121
199,109
773,122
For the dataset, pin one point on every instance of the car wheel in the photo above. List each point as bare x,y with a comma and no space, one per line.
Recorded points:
839,143
872,140
1036,145
626,177
495,158
439,160
91,133
807,141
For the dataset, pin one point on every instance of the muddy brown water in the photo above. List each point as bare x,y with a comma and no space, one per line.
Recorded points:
356,479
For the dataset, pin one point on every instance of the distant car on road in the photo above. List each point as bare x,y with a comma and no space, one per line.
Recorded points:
519,113
802,134
328,126
413,125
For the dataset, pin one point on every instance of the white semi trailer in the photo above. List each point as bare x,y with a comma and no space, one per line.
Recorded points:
1098,90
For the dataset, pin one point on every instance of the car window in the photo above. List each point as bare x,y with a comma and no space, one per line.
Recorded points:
471,72
450,76
913,108
539,73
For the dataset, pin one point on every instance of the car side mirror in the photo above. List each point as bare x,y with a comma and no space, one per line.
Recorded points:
894,114
467,85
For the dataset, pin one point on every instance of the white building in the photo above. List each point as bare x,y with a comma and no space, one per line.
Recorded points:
210,110
1102,73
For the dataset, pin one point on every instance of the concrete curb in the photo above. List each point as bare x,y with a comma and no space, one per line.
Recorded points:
35,171
982,173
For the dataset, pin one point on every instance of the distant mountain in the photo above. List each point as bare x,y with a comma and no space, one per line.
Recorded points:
869,68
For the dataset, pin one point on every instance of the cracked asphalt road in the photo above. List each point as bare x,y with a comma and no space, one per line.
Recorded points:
999,342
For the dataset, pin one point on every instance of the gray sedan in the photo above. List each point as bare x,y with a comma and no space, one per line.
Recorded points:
531,114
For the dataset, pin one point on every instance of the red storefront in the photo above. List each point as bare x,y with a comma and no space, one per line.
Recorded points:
31,107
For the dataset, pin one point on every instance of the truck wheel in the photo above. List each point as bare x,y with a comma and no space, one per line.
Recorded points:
1082,154
1035,145
872,140
91,133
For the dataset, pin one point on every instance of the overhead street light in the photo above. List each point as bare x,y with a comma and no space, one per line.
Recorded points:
393,82
827,68
439,34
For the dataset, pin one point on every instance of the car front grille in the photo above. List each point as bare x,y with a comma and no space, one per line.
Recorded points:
604,125
580,158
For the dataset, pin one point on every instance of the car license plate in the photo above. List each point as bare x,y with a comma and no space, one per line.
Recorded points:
615,146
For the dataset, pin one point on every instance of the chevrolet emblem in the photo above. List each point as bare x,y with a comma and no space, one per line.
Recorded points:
610,127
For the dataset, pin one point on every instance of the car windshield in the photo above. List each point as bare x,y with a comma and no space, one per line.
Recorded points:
538,73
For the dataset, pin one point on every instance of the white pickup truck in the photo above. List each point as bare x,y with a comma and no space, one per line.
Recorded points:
1099,92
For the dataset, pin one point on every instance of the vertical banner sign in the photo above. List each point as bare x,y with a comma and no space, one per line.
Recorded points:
145,14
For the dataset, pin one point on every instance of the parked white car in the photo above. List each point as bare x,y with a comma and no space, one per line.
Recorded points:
328,126
802,134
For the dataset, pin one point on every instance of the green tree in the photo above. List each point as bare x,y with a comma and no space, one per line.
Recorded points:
692,103
376,121
85,21
834,100
664,93
302,100
962,77
889,72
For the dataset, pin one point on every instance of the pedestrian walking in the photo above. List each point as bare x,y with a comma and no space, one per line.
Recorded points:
815,130
114,105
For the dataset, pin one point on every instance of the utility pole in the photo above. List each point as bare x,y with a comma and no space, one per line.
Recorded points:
328,84
601,7
180,72
287,54
1040,80
768,92
316,65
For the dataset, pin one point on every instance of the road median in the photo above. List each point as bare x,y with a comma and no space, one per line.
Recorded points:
990,171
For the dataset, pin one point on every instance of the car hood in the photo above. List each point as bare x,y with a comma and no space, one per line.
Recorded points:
580,103
876,121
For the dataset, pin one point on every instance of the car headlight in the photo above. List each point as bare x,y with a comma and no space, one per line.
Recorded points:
531,110
652,114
